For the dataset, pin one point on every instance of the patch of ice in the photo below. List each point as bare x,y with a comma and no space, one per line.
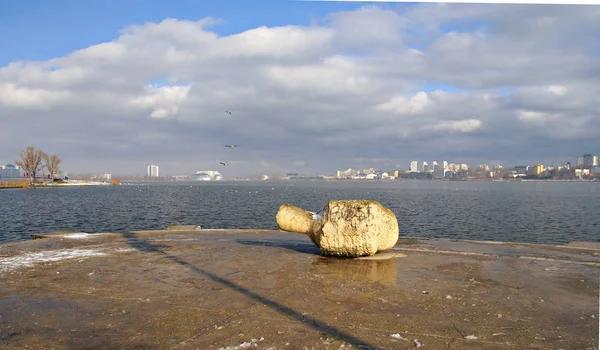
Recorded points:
398,336
244,345
29,259
76,235
124,250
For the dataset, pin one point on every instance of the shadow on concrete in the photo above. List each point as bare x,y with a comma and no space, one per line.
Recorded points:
300,247
146,246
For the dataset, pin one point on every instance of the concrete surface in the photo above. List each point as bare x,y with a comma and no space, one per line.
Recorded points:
238,289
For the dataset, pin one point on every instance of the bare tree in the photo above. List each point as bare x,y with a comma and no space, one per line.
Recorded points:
52,163
31,162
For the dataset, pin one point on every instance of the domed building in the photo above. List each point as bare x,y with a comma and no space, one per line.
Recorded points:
10,172
206,175
199,176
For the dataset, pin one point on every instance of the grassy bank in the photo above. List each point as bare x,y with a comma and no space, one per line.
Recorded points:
14,184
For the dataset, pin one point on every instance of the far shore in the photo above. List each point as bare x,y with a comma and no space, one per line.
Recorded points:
67,183
75,183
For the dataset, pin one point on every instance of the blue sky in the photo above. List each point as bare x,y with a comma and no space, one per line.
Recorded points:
40,30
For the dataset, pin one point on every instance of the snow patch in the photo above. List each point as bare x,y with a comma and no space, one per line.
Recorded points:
77,235
244,345
124,250
29,259
398,336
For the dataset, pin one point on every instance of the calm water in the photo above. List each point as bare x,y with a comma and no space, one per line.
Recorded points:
537,212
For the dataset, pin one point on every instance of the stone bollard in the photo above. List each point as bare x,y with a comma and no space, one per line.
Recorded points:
349,228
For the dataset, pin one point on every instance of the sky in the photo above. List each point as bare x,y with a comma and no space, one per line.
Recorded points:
313,87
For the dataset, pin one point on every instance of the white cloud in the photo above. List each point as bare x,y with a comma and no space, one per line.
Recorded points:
164,101
104,53
335,75
533,116
13,96
401,105
452,126
557,89
352,86
274,42
367,26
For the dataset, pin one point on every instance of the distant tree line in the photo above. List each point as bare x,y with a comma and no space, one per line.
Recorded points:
33,161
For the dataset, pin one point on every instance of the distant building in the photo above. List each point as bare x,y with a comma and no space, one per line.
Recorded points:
425,167
346,173
152,171
199,176
456,167
434,165
521,169
10,172
439,174
206,175
536,169
107,177
587,160
445,165
413,166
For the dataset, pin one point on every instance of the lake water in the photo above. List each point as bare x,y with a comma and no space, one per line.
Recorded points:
535,212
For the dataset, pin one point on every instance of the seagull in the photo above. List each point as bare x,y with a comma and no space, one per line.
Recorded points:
224,163
231,146
228,112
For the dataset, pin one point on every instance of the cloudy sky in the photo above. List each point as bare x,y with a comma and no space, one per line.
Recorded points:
112,86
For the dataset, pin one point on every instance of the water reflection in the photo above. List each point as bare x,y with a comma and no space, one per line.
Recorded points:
381,271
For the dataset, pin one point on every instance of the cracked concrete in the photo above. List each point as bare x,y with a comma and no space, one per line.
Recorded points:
233,289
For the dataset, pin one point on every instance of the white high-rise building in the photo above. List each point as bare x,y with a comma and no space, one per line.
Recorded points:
434,165
152,171
445,165
425,167
413,167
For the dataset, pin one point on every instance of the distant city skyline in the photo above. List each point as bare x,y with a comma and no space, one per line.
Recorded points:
587,160
308,87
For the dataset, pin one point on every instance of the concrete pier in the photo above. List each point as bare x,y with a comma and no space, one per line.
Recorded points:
190,288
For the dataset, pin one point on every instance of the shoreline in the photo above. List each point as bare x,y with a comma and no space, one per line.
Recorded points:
70,183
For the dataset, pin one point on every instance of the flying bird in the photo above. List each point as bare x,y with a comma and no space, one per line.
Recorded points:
224,163
231,146
228,112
